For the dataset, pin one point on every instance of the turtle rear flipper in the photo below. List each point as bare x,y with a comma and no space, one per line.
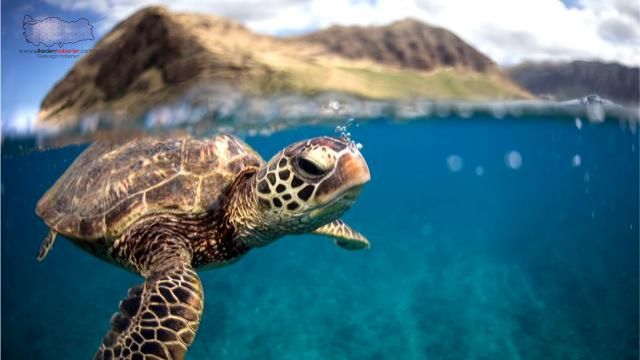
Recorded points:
343,235
47,245
160,318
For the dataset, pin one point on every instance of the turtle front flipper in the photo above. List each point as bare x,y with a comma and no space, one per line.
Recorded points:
158,320
343,235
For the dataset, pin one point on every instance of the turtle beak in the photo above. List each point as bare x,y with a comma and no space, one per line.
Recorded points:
354,169
346,182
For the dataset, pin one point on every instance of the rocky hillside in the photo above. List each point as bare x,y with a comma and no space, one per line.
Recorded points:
579,78
155,55
405,44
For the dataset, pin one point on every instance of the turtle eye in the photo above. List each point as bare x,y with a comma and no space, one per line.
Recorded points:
308,168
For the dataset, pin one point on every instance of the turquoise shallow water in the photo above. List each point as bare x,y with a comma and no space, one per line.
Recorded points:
538,262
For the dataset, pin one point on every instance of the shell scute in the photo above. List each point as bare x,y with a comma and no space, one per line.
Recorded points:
124,211
177,194
200,157
91,226
211,186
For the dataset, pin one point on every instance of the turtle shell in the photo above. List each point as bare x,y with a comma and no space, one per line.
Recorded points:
110,186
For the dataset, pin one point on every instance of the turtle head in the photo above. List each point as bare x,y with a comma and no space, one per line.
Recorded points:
310,183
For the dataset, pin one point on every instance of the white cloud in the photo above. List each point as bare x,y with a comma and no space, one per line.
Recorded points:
509,31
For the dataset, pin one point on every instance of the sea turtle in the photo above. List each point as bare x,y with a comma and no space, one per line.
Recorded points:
165,207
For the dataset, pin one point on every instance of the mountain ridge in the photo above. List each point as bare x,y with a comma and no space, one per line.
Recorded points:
155,55
406,43
576,79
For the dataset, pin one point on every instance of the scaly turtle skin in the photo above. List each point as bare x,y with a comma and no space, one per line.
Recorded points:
164,208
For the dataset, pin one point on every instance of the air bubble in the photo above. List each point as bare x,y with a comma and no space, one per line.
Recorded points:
454,162
345,135
576,160
334,105
513,160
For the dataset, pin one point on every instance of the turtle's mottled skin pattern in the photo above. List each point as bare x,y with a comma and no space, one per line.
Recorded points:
163,208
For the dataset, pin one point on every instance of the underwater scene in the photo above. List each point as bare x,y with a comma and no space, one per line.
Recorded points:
490,239
320,180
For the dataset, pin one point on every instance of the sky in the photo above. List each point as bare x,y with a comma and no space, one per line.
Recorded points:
508,31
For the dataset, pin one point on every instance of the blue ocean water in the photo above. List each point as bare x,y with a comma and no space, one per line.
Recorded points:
491,239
